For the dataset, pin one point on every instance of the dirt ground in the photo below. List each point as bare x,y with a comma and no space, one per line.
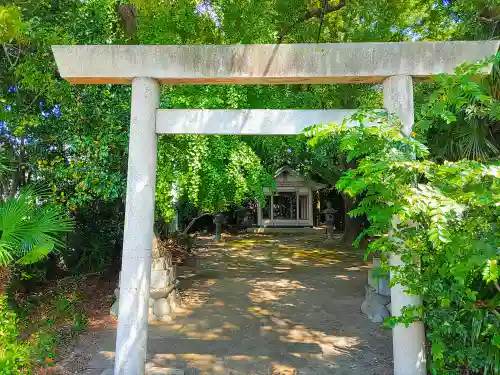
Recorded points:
260,305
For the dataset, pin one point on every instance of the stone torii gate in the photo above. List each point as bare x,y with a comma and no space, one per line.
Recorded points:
394,65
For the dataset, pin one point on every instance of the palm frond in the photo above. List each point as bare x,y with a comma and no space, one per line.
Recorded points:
28,224
37,252
473,141
5,255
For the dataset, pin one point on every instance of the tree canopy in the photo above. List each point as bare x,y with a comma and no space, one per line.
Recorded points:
74,138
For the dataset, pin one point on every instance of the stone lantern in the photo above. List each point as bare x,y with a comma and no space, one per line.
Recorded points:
330,218
218,220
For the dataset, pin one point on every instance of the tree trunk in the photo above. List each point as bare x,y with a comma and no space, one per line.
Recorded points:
127,15
352,225
192,222
317,211
22,170
16,181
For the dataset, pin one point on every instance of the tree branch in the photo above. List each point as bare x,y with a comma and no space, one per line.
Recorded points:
192,222
8,54
312,13
128,19
316,12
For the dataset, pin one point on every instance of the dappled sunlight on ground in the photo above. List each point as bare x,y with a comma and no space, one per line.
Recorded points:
279,305
273,305
253,250
265,291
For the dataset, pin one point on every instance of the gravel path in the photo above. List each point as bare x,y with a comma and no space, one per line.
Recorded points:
265,305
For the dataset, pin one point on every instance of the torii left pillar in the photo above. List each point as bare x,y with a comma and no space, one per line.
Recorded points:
132,333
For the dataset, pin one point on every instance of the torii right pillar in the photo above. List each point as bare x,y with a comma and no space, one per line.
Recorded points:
408,342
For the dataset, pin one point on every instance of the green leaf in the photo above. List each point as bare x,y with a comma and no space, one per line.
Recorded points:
448,116
496,340
491,271
37,253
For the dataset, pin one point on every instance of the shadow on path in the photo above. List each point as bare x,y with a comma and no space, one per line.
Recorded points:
262,304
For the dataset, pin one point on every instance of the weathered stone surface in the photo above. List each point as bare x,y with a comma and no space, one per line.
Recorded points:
408,340
158,264
108,371
158,293
364,307
266,64
173,299
161,308
153,317
217,237
380,284
131,337
151,302
398,99
114,308
171,275
159,279
372,295
249,122
383,287
330,219
166,319
372,281
374,305
389,307
377,313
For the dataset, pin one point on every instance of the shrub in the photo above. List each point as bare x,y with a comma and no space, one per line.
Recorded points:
14,355
32,332
445,215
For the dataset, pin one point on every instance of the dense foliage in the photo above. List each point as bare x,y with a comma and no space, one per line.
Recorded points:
27,342
461,118
76,137
212,172
13,355
445,215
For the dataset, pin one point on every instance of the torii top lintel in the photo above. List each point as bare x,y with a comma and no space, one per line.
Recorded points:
265,63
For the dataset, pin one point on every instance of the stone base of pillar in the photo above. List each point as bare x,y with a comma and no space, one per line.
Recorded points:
376,306
163,296
114,307
162,308
377,303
